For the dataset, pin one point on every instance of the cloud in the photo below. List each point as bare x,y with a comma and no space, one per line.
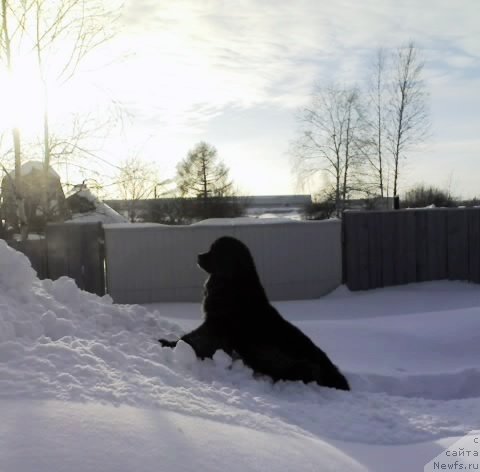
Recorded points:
190,63
249,52
246,57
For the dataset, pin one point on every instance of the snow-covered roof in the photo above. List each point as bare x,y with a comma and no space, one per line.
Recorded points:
101,212
29,166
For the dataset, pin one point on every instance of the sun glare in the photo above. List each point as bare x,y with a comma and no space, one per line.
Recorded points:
23,104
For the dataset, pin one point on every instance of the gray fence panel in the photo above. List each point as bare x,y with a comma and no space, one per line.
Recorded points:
387,228
36,251
415,246
356,250
375,251
421,244
458,245
473,240
431,244
406,248
76,250
437,243
155,263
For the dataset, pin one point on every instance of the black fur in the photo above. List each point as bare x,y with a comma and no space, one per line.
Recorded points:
240,320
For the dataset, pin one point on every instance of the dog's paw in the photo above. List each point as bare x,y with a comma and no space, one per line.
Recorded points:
166,343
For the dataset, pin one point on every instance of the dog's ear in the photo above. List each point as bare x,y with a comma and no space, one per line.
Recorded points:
244,263
223,265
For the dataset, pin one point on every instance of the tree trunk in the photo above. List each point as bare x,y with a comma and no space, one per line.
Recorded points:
46,167
380,169
19,197
337,194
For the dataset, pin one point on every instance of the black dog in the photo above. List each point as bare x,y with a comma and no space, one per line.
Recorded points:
240,320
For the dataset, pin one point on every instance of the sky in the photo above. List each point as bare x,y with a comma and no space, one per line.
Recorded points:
236,74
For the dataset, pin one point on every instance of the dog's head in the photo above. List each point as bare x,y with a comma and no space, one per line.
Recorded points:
228,258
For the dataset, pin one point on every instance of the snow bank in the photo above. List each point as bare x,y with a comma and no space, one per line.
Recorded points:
91,437
16,273
61,339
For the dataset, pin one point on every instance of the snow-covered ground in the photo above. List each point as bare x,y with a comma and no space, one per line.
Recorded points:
84,386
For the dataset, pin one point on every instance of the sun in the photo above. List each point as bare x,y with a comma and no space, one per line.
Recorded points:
28,98
23,102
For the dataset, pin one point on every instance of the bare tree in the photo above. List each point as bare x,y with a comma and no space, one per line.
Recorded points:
136,180
65,32
376,121
408,120
58,35
331,140
6,39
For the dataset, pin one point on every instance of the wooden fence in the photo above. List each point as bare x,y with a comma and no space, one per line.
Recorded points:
36,251
380,248
383,248
77,251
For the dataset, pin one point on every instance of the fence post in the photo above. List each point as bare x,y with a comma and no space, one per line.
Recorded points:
396,202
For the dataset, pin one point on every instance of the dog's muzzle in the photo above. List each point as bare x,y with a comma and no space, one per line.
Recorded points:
202,261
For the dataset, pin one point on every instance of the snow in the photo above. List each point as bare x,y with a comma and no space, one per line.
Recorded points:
85,386
290,213
239,221
29,166
263,219
102,212
242,220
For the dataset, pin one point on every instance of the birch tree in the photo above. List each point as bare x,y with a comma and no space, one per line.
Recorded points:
376,122
331,140
408,118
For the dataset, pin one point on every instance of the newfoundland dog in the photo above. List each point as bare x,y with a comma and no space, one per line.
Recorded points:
240,320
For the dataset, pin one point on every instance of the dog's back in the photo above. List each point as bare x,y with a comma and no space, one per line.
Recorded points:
294,355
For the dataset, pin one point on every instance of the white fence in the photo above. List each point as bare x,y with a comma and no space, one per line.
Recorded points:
158,263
